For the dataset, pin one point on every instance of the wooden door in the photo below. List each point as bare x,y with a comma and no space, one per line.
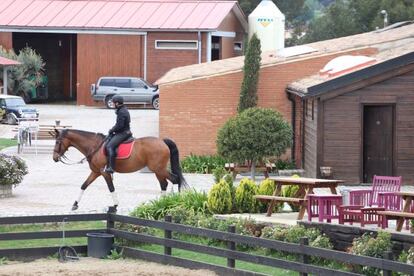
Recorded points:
378,142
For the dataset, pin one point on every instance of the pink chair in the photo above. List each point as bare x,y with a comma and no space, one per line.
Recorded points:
365,203
323,206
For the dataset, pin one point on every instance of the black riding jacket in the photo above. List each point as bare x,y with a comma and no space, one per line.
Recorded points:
123,121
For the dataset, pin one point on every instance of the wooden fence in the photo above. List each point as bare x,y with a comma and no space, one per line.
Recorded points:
303,250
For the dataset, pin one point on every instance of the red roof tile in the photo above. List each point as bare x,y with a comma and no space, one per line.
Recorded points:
116,14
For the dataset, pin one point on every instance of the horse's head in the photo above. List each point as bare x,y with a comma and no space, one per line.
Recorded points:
61,145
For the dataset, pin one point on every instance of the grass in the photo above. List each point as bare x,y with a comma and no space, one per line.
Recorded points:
5,143
47,227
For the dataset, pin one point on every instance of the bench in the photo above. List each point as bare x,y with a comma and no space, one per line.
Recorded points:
275,199
46,132
394,215
235,168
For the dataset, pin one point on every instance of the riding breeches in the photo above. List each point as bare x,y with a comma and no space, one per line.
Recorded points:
115,141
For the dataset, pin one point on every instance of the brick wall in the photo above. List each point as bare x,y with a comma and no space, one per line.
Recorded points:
192,111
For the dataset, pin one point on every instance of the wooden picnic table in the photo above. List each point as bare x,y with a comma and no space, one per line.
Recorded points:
306,186
405,213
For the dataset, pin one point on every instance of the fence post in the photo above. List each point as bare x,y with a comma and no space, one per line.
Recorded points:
110,223
388,256
167,235
231,246
304,258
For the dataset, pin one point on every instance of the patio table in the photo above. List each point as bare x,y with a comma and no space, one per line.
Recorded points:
406,213
306,187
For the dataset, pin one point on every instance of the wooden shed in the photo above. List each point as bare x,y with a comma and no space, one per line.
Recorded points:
358,118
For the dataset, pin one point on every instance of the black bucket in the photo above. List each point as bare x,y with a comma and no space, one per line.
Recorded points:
99,244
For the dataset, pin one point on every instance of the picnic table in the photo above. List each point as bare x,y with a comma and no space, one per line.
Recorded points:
406,213
306,186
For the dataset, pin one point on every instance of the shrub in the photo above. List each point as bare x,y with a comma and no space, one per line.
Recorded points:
407,256
368,245
267,187
202,164
12,170
285,164
244,197
219,200
219,173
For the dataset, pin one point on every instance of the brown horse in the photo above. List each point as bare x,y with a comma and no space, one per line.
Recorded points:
147,151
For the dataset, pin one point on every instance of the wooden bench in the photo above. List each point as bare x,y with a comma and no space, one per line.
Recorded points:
394,215
235,168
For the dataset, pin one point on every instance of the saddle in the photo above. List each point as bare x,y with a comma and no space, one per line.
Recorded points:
124,150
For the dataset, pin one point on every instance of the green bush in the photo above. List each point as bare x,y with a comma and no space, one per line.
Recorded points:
407,256
159,208
219,200
219,173
202,163
12,170
244,196
267,187
285,164
368,245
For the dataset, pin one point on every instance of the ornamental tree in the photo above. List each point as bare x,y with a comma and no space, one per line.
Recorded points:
251,68
253,135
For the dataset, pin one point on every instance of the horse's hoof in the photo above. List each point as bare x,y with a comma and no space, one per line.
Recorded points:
112,209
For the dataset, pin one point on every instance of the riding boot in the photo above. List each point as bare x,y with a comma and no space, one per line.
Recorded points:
110,167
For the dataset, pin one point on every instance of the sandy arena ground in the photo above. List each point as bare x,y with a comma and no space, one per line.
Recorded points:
96,267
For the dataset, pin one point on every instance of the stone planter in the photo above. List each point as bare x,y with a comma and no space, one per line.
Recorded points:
5,191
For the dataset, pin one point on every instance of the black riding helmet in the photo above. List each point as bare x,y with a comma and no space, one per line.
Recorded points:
118,99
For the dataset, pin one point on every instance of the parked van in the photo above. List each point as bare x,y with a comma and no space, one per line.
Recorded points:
133,90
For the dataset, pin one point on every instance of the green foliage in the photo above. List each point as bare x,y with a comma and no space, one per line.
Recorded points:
254,134
12,170
290,191
219,200
244,197
3,260
202,163
115,255
219,173
285,164
251,68
159,208
4,143
26,76
368,245
407,256
267,187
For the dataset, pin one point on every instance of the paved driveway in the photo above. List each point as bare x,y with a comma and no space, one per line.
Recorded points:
52,187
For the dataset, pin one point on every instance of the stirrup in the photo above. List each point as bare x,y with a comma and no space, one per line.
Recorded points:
109,170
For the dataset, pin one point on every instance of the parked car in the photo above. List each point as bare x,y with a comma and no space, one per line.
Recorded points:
13,109
134,90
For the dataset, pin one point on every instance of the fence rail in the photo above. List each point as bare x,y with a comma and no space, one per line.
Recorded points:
304,251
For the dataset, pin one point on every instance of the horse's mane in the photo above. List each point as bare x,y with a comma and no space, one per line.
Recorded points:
83,133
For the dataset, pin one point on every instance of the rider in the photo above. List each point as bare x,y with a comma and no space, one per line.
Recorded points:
118,133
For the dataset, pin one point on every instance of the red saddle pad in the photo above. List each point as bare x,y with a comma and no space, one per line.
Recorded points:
124,150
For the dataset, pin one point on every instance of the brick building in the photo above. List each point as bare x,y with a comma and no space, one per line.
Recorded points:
82,40
197,100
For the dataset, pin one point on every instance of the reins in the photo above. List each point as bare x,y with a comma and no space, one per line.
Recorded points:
63,157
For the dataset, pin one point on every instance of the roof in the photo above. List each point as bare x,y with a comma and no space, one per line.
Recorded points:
126,15
387,59
377,39
6,62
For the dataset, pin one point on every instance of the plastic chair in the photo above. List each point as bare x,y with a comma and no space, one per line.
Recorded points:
365,203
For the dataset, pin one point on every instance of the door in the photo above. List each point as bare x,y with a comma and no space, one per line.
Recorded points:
140,92
378,141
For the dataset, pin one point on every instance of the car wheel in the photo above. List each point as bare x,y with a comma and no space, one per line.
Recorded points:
109,103
156,103
11,120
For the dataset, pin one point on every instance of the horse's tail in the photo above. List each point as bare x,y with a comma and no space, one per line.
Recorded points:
175,164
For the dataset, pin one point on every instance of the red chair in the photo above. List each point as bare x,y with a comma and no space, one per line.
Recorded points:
365,203
323,207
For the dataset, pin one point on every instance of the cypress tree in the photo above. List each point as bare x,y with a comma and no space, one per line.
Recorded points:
251,68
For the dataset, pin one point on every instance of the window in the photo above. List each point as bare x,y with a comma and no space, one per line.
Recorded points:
107,82
137,84
176,44
123,83
238,46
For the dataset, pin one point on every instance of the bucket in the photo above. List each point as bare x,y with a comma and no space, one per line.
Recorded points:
99,244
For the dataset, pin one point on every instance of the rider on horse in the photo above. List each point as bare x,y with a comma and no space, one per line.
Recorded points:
118,133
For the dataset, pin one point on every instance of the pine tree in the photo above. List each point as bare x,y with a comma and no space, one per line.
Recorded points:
251,68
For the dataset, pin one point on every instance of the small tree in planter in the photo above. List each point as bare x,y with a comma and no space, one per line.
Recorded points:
253,135
12,170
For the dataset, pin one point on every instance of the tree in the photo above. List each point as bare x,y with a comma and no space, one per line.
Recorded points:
251,68
27,76
253,135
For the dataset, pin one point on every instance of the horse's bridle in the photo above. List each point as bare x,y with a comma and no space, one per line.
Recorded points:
65,160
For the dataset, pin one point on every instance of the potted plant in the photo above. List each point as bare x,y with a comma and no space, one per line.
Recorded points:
12,170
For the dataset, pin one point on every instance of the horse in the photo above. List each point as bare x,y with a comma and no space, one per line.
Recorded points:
152,152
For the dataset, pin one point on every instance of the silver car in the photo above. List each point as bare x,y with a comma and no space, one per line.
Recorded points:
133,90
